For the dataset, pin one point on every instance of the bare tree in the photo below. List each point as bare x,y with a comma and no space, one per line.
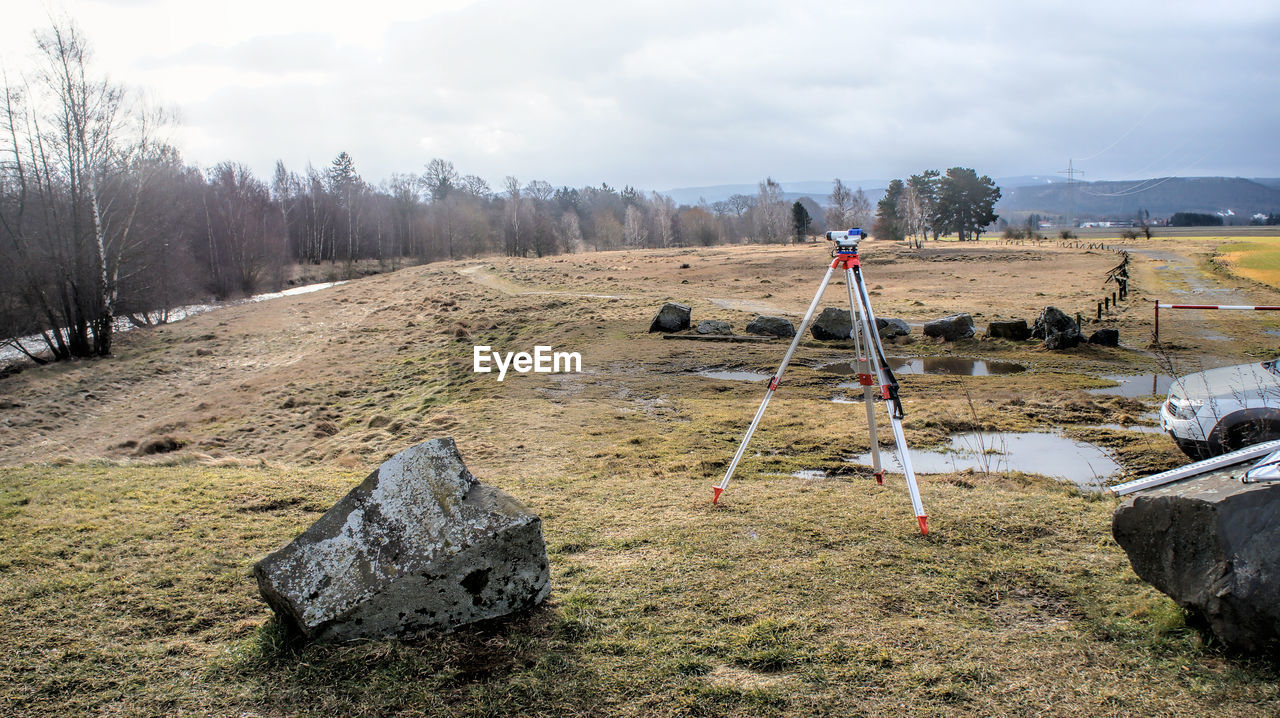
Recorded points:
571,227
514,200
839,207
244,233
664,212
539,190
476,187
913,213
406,199
439,179
77,167
771,212
847,208
860,213
635,231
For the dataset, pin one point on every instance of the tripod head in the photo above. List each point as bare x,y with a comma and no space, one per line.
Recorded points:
846,241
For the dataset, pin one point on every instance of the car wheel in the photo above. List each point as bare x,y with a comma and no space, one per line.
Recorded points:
1250,433
1196,451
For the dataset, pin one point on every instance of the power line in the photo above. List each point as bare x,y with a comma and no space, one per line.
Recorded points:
1125,134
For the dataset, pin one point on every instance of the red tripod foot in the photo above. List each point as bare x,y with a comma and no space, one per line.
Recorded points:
924,524
716,497
880,478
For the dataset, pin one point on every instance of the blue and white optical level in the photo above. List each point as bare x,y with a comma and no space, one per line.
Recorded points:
855,234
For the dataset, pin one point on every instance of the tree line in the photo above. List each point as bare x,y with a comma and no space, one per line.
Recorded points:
101,222
932,204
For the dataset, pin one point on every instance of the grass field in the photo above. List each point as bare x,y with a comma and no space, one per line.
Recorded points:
125,581
1256,259
126,589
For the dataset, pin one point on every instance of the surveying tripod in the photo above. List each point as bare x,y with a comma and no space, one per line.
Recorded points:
872,367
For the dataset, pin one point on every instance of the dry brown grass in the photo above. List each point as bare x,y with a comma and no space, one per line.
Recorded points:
124,583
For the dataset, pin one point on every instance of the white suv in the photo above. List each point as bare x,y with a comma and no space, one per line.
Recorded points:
1220,410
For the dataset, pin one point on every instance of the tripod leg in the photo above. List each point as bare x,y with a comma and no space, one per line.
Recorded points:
876,352
864,375
773,386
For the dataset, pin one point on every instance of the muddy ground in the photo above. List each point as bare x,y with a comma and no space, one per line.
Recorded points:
353,373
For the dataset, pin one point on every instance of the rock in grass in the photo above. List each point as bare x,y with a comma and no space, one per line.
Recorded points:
671,317
1062,340
1058,330
714,326
418,545
956,326
1105,337
1209,542
832,324
892,327
1015,329
771,326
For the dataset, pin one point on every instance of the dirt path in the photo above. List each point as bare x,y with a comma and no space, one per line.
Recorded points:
479,275
1174,273
742,305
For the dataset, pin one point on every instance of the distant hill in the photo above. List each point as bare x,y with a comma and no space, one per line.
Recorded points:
817,190
1051,195
1160,196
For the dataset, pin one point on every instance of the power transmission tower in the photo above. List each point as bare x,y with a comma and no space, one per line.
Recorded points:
1071,173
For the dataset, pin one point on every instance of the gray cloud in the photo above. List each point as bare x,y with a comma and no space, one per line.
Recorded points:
668,93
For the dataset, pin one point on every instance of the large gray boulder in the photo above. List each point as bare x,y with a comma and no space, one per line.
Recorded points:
1058,330
1015,329
671,317
832,324
892,327
771,326
1210,543
418,545
956,326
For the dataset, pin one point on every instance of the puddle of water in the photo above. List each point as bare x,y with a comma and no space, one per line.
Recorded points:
1136,385
1047,454
954,366
810,474
735,375
1272,332
1132,427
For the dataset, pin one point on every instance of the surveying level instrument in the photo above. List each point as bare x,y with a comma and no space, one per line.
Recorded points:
872,369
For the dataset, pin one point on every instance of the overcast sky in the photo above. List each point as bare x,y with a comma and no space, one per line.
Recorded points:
668,94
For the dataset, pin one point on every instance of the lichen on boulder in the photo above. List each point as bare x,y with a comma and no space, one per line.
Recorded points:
418,545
